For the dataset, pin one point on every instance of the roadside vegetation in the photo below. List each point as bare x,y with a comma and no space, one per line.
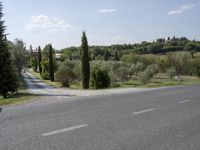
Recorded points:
19,96
12,61
163,62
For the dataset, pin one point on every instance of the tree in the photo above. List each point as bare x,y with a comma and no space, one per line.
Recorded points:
171,72
132,71
65,75
51,65
100,79
180,61
33,59
85,62
123,73
8,77
18,50
39,59
148,73
116,56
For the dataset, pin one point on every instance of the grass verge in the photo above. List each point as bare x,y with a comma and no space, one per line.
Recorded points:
160,80
17,98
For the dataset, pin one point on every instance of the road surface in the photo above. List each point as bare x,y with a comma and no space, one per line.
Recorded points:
163,119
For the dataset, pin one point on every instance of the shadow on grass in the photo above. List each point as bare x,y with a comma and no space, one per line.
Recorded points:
19,95
25,94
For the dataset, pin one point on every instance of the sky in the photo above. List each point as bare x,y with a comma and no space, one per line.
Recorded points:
106,22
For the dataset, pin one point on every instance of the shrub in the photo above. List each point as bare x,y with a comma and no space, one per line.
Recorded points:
153,69
132,70
171,72
68,71
139,67
100,79
148,73
122,73
65,75
144,77
181,61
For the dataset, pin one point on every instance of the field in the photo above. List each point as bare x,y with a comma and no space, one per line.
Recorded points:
158,80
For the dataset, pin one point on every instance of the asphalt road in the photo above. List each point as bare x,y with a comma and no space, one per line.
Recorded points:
163,119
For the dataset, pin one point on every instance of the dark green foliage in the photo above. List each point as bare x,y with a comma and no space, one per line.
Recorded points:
85,62
51,65
115,52
45,69
33,60
8,77
71,53
45,63
116,56
39,60
100,79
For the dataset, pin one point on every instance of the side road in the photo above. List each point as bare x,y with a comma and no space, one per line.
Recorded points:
37,87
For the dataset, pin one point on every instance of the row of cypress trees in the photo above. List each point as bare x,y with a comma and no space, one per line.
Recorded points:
8,75
38,61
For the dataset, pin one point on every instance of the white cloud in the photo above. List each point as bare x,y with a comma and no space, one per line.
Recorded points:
182,9
107,10
50,24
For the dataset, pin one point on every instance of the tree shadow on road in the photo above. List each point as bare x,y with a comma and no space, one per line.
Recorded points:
54,95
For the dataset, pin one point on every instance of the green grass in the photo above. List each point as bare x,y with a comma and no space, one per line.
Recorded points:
17,98
159,81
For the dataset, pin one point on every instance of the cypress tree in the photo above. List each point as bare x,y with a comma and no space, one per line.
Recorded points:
116,57
85,62
36,62
51,65
8,76
39,59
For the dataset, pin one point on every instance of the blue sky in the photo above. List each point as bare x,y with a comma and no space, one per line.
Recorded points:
106,22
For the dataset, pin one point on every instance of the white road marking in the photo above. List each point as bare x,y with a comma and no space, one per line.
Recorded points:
143,111
64,130
184,101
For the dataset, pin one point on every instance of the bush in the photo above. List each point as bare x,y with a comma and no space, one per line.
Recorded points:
68,72
122,73
144,77
171,72
139,67
132,70
65,76
153,69
148,73
100,79
181,61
